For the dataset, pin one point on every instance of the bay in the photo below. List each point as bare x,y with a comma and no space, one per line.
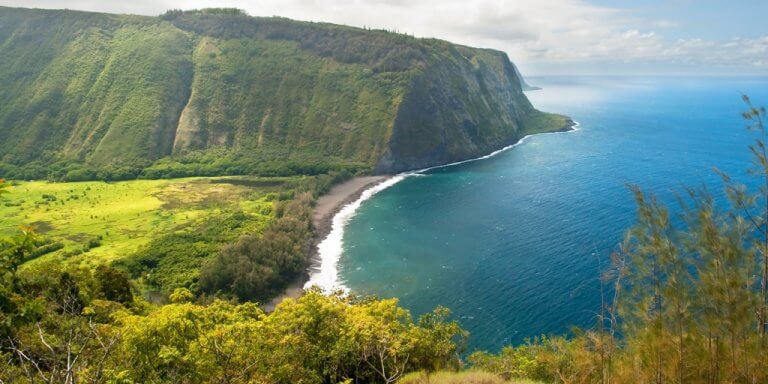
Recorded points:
513,244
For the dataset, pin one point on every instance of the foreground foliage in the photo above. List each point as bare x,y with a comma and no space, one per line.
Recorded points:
69,326
465,377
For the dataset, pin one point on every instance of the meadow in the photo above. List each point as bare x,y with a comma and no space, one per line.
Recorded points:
100,222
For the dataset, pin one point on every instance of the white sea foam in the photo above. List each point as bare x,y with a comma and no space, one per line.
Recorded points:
329,251
574,128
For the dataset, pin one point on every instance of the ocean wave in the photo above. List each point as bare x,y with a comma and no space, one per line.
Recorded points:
574,128
331,248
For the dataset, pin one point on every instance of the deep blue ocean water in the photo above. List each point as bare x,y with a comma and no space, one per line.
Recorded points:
512,244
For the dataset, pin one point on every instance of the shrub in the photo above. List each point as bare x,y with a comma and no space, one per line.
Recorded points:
113,284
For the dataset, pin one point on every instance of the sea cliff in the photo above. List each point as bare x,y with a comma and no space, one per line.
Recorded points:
216,91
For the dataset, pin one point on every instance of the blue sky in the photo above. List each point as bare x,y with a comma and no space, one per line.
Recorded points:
706,19
544,37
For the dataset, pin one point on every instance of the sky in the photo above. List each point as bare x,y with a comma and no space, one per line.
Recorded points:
543,37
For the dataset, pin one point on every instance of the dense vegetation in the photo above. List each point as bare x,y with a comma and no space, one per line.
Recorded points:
64,324
61,322
247,236
216,92
77,326
256,267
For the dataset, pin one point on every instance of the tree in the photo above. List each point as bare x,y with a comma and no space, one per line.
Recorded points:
181,295
753,207
14,250
441,341
192,344
113,284
62,343
385,338
693,298
255,267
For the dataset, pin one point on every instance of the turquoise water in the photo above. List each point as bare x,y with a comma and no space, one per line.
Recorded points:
513,244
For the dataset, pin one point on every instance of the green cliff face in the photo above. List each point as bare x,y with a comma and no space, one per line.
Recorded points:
114,90
467,102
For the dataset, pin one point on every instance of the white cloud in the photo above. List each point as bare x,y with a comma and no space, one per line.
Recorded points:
541,35
665,23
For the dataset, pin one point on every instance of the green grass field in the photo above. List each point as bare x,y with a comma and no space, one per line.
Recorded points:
98,222
542,122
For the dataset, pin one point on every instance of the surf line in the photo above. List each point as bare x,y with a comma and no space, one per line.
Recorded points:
330,249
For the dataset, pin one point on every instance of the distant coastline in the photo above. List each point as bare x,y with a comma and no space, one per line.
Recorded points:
524,84
569,127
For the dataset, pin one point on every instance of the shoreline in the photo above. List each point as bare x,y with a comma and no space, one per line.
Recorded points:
334,208
327,207
571,126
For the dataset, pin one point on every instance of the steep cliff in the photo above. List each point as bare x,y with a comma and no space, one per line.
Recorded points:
99,91
465,103
524,84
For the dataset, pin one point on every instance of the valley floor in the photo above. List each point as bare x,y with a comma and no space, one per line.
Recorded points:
98,222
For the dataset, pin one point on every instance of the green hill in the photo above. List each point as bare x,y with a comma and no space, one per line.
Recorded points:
88,95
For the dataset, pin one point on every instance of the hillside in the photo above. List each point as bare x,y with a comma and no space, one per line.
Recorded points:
99,96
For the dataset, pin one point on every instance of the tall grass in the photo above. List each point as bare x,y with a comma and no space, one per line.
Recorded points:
465,377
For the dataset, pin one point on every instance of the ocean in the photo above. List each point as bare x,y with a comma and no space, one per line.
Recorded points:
513,244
